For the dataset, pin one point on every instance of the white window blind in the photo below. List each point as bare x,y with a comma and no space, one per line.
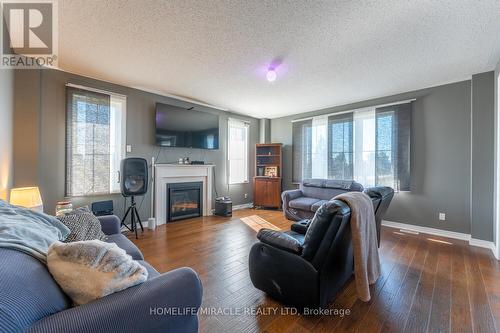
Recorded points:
237,148
95,141
364,147
319,147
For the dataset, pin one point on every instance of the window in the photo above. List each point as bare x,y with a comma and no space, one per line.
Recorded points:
237,151
340,149
371,146
95,142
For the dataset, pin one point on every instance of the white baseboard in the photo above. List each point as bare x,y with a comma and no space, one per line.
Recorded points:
237,207
243,206
427,230
443,233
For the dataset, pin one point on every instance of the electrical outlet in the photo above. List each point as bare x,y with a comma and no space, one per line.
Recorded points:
246,195
129,148
442,216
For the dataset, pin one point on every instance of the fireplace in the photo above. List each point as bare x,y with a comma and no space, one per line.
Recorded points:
184,200
180,173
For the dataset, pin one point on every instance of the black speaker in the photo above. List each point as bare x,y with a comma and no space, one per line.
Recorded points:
134,176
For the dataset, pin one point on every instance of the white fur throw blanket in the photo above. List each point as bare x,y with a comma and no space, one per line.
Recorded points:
89,270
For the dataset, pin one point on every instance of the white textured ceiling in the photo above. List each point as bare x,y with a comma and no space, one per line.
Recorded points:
331,52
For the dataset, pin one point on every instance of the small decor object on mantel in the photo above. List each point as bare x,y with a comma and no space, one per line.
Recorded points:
271,171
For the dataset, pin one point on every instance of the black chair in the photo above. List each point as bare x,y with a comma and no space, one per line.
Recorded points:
307,267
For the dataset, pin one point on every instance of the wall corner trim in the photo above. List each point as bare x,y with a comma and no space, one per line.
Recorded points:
485,244
444,233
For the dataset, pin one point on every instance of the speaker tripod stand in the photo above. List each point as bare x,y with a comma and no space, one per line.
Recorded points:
132,209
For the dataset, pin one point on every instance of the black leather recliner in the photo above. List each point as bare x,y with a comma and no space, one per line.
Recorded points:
307,266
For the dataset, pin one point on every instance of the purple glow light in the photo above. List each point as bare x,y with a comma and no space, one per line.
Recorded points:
271,75
271,70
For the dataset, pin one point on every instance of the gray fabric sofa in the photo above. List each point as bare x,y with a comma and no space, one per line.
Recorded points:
303,202
31,301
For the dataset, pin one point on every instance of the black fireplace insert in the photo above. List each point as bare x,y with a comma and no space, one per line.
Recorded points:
184,200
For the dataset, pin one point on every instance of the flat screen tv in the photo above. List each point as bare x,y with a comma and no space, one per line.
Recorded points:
178,127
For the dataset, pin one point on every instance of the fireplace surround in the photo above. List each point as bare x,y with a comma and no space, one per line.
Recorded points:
174,173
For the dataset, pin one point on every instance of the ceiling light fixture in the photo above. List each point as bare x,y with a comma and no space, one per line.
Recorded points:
271,75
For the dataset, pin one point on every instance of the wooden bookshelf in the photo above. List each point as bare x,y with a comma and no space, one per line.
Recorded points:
267,180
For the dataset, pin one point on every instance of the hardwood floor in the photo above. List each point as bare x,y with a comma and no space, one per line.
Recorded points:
428,283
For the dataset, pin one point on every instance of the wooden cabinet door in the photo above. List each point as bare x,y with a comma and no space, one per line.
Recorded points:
259,191
268,198
273,192
267,192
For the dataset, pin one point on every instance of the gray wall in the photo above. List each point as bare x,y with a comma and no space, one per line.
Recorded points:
43,158
6,123
440,157
265,130
26,127
497,114
483,160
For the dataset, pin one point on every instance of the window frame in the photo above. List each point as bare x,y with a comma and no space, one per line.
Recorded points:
114,173
123,149
245,125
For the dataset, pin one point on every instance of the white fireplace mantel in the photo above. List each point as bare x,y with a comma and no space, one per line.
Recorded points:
179,173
